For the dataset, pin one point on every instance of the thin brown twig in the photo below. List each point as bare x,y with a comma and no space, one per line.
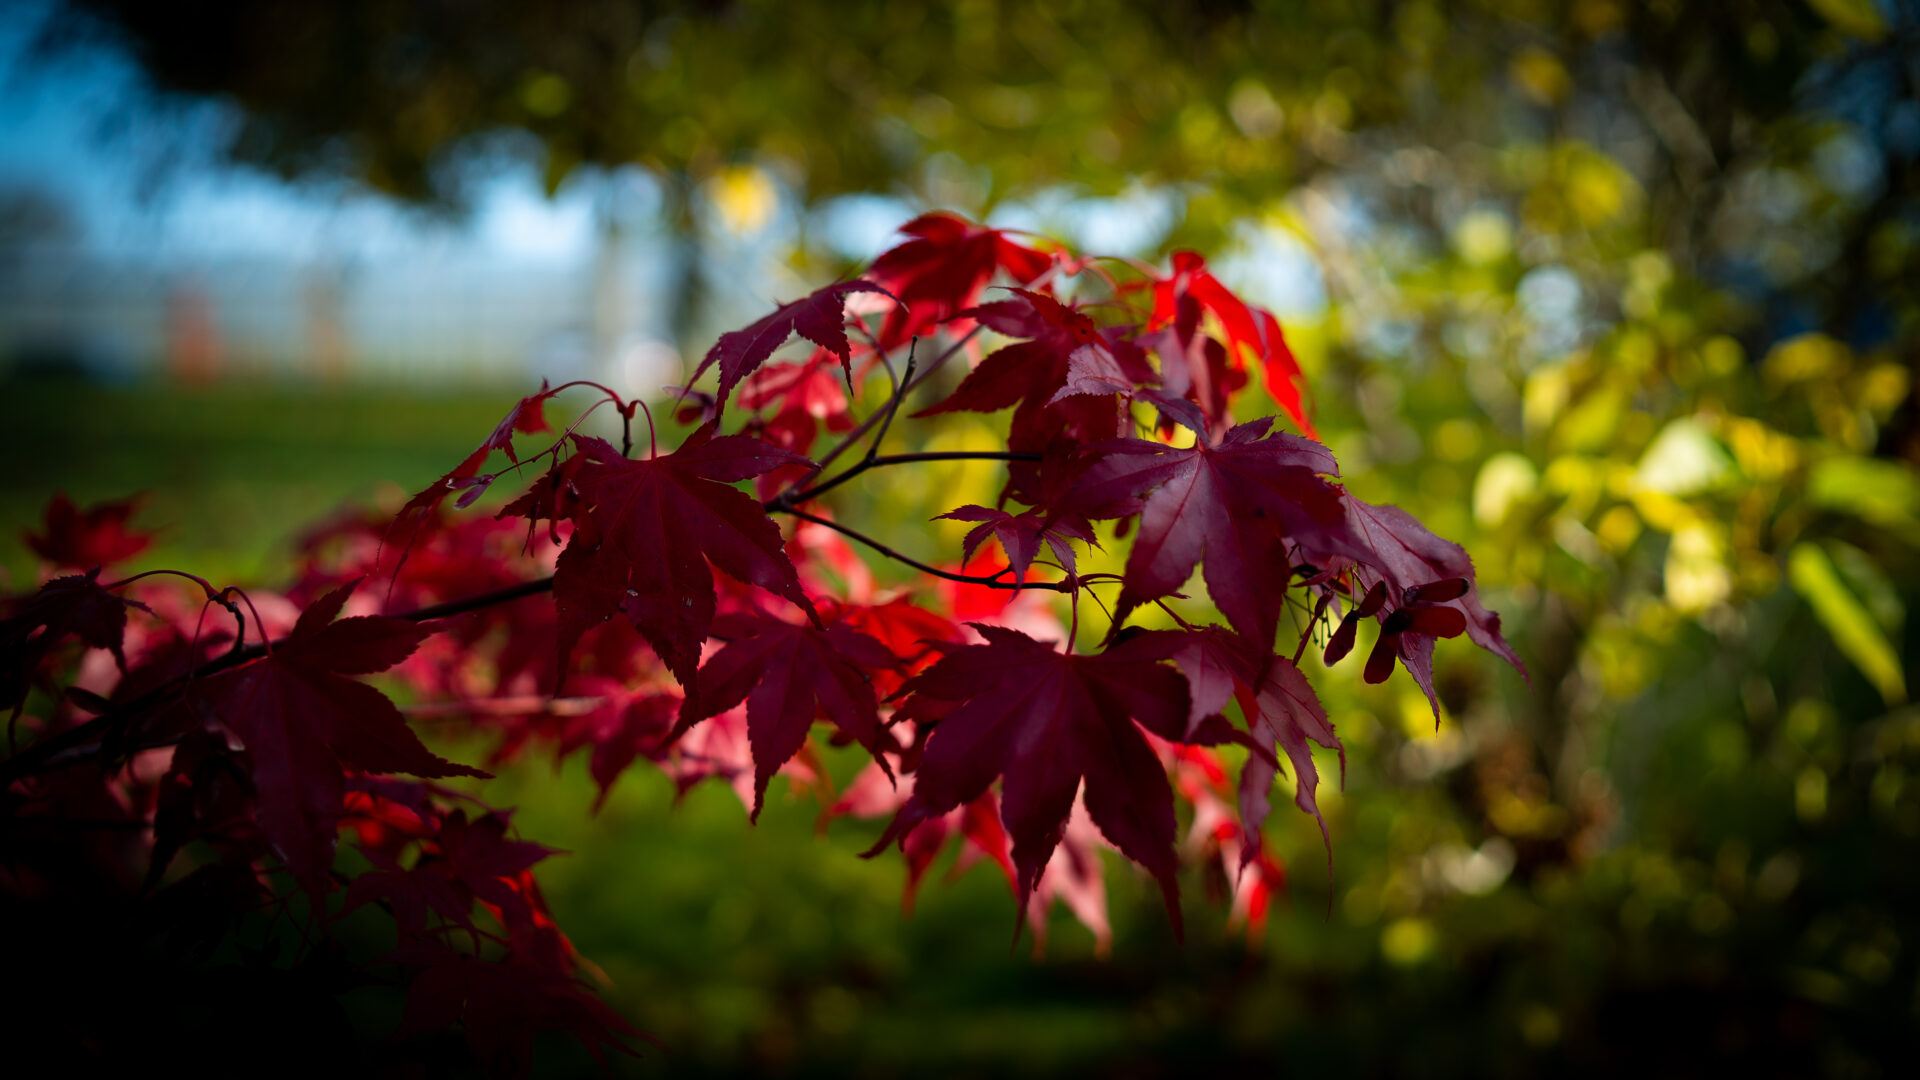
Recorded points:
991,582
860,430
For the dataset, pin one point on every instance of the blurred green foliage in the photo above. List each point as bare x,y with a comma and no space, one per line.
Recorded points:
1619,295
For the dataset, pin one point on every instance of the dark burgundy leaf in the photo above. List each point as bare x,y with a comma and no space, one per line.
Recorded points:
1218,503
303,722
788,675
820,317
653,528
1021,535
1046,722
1283,711
74,606
84,539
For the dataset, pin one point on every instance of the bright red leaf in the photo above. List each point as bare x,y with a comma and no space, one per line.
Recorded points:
1250,330
944,265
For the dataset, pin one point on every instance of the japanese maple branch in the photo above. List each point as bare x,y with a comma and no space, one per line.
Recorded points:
28,761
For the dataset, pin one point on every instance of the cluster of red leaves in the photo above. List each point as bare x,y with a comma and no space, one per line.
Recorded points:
986,728
225,777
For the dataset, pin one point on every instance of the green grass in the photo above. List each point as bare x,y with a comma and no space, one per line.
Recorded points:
231,473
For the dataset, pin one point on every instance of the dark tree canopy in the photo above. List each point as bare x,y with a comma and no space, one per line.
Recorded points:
1244,95
1236,103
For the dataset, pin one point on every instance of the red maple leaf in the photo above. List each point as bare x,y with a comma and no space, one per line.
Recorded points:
73,606
1250,330
463,861
877,792
1218,503
941,269
654,525
1034,375
1282,714
304,723
1072,321
1418,571
787,675
803,397
819,316
1077,878
1045,722
1282,710
623,727
1021,534
911,633
88,538
1194,366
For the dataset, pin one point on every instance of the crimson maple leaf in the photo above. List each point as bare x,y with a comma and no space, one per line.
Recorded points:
1282,710
73,606
1218,503
943,266
1045,721
653,526
876,792
464,861
623,726
1035,375
1194,365
819,316
911,633
1249,330
88,538
1021,534
787,675
1035,372
304,722
1418,571
795,401
1282,713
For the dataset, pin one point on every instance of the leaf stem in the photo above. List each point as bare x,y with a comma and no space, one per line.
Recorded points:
991,582
893,406
259,624
653,437
205,586
787,500
860,430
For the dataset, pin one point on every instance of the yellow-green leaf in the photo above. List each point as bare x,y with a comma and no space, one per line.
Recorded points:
1854,630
